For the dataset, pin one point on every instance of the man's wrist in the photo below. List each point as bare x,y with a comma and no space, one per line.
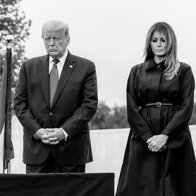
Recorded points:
65,134
35,136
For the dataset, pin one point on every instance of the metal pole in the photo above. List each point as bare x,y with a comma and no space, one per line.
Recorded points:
8,117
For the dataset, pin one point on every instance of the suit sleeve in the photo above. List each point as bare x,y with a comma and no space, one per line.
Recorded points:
21,105
136,121
183,115
88,107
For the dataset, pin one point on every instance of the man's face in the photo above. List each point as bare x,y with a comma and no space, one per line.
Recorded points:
55,41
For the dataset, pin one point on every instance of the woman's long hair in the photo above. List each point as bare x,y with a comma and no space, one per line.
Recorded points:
171,61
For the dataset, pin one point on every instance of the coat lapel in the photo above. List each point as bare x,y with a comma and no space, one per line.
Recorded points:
43,68
68,68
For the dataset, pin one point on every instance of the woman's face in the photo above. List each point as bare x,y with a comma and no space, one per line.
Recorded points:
158,44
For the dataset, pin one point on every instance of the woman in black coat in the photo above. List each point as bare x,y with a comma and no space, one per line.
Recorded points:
159,158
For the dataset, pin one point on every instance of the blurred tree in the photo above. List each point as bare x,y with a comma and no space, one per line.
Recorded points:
13,22
99,121
119,117
109,118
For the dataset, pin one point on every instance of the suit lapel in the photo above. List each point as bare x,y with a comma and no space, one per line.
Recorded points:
43,68
68,68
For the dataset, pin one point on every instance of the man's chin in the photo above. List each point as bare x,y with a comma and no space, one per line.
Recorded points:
53,54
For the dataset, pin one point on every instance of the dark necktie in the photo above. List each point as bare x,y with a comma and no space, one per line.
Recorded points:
54,78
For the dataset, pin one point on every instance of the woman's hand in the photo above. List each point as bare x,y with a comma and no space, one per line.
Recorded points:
157,142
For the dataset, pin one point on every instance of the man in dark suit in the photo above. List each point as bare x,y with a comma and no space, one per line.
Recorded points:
56,97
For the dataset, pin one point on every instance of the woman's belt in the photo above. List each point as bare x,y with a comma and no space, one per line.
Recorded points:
157,104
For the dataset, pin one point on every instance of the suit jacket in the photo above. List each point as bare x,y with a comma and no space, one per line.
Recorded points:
74,104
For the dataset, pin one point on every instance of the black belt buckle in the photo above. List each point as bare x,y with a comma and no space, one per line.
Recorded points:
158,104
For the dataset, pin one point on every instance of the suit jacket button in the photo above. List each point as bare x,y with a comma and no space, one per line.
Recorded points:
51,113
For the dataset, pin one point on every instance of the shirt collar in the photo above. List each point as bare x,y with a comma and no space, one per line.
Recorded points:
150,64
62,59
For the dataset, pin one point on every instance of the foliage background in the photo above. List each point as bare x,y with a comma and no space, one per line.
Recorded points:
13,22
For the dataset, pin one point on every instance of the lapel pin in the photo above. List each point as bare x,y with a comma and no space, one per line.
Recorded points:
71,66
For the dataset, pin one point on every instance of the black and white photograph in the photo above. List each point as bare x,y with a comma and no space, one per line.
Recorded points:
97,98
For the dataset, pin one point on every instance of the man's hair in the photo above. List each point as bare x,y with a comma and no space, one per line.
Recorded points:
171,62
56,24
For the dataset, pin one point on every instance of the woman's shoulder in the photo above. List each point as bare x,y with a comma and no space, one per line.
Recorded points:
137,66
184,66
185,70
143,66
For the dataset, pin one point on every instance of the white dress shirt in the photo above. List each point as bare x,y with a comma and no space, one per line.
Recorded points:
60,68
60,64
